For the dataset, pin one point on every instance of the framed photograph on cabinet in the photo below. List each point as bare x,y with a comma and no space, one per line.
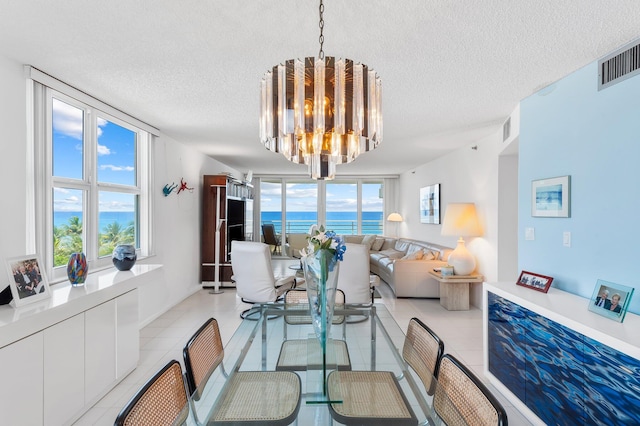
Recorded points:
535,281
27,280
551,197
430,204
611,300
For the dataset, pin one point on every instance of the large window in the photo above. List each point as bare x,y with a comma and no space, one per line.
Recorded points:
90,180
353,206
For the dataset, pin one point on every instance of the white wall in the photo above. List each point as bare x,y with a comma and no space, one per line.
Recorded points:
176,218
465,175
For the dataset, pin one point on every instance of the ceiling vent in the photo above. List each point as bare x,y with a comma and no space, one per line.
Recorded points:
619,65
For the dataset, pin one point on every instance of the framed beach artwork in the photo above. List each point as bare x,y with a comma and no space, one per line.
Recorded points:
535,281
27,280
551,197
610,300
430,204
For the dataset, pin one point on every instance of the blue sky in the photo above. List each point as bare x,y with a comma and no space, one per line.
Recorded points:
116,158
303,197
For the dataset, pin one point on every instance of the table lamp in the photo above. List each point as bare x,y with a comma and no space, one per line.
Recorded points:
460,219
395,217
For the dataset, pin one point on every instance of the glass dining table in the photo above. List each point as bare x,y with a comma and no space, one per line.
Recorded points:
365,337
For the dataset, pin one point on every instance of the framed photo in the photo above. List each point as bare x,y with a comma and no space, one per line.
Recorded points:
535,281
551,197
27,280
611,300
430,204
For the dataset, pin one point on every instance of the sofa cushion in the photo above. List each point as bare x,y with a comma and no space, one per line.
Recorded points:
355,239
377,244
389,243
428,255
391,254
368,240
415,255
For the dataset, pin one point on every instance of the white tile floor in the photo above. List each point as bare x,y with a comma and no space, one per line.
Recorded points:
164,338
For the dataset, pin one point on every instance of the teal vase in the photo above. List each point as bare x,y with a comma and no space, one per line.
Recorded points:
77,269
321,276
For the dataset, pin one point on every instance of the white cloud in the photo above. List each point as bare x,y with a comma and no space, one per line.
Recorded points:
67,119
116,206
61,190
103,150
117,168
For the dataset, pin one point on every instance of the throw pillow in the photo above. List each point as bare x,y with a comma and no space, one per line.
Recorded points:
427,255
377,244
416,255
368,240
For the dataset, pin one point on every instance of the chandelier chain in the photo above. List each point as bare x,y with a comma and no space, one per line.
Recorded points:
321,25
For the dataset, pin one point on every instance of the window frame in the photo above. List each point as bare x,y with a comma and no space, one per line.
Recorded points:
41,90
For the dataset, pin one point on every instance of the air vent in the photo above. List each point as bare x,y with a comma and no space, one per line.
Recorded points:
506,129
619,66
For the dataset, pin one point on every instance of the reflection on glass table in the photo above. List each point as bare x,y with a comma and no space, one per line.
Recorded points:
370,381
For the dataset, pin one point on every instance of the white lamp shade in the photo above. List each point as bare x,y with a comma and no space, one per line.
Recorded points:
461,220
394,217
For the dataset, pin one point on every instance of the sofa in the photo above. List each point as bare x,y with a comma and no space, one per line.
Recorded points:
404,264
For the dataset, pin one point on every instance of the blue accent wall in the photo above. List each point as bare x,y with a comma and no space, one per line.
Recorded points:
570,128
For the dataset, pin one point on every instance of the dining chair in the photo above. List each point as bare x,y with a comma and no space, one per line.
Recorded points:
161,401
253,274
247,397
297,354
375,397
270,237
461,394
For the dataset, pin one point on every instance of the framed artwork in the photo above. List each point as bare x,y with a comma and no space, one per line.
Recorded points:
27,280
551,197
535,281
430,204
610,300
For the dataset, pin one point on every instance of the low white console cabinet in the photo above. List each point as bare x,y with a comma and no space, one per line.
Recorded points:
558,362
61,355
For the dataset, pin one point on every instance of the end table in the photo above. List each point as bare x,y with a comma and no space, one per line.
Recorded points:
454,290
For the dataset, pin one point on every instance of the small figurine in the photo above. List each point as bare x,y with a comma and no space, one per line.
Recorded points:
183,186
168,189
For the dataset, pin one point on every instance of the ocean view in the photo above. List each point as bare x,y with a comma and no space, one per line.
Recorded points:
105,218
340,222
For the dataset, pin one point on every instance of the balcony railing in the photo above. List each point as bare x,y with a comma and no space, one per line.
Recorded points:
340,227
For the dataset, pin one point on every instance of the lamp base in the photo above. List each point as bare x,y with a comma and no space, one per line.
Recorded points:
462,260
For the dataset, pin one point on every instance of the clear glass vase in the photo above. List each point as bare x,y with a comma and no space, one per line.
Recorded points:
321,271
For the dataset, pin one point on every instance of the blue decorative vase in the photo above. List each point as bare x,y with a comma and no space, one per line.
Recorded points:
124,257
321,276
77,269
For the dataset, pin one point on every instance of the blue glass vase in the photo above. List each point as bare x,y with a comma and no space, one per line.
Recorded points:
77,269
124,257
321,270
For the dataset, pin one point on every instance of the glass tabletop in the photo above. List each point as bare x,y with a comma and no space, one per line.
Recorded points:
363,338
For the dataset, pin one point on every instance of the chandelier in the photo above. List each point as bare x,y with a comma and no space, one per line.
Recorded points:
321,111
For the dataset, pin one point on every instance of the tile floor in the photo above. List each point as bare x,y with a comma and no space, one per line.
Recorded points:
164,338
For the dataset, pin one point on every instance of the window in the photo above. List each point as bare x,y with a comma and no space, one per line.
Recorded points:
354,206
90,183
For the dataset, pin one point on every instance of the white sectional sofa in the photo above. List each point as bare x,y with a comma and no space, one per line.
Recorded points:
404,263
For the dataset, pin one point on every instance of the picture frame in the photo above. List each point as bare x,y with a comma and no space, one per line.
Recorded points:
610,300
551,197
535,281
430,204
27,280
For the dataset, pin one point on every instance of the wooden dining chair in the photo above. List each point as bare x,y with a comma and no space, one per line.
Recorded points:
375,397
270,237
161,401
460,394
248,397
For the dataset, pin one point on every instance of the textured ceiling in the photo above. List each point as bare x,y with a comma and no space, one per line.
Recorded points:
452,70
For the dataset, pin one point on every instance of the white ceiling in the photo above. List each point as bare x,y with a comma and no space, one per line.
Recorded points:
452,70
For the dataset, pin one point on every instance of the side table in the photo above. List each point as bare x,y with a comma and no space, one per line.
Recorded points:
454,290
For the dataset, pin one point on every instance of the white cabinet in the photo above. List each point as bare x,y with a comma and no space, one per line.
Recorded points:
128,333
100,350
21,384
63,378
